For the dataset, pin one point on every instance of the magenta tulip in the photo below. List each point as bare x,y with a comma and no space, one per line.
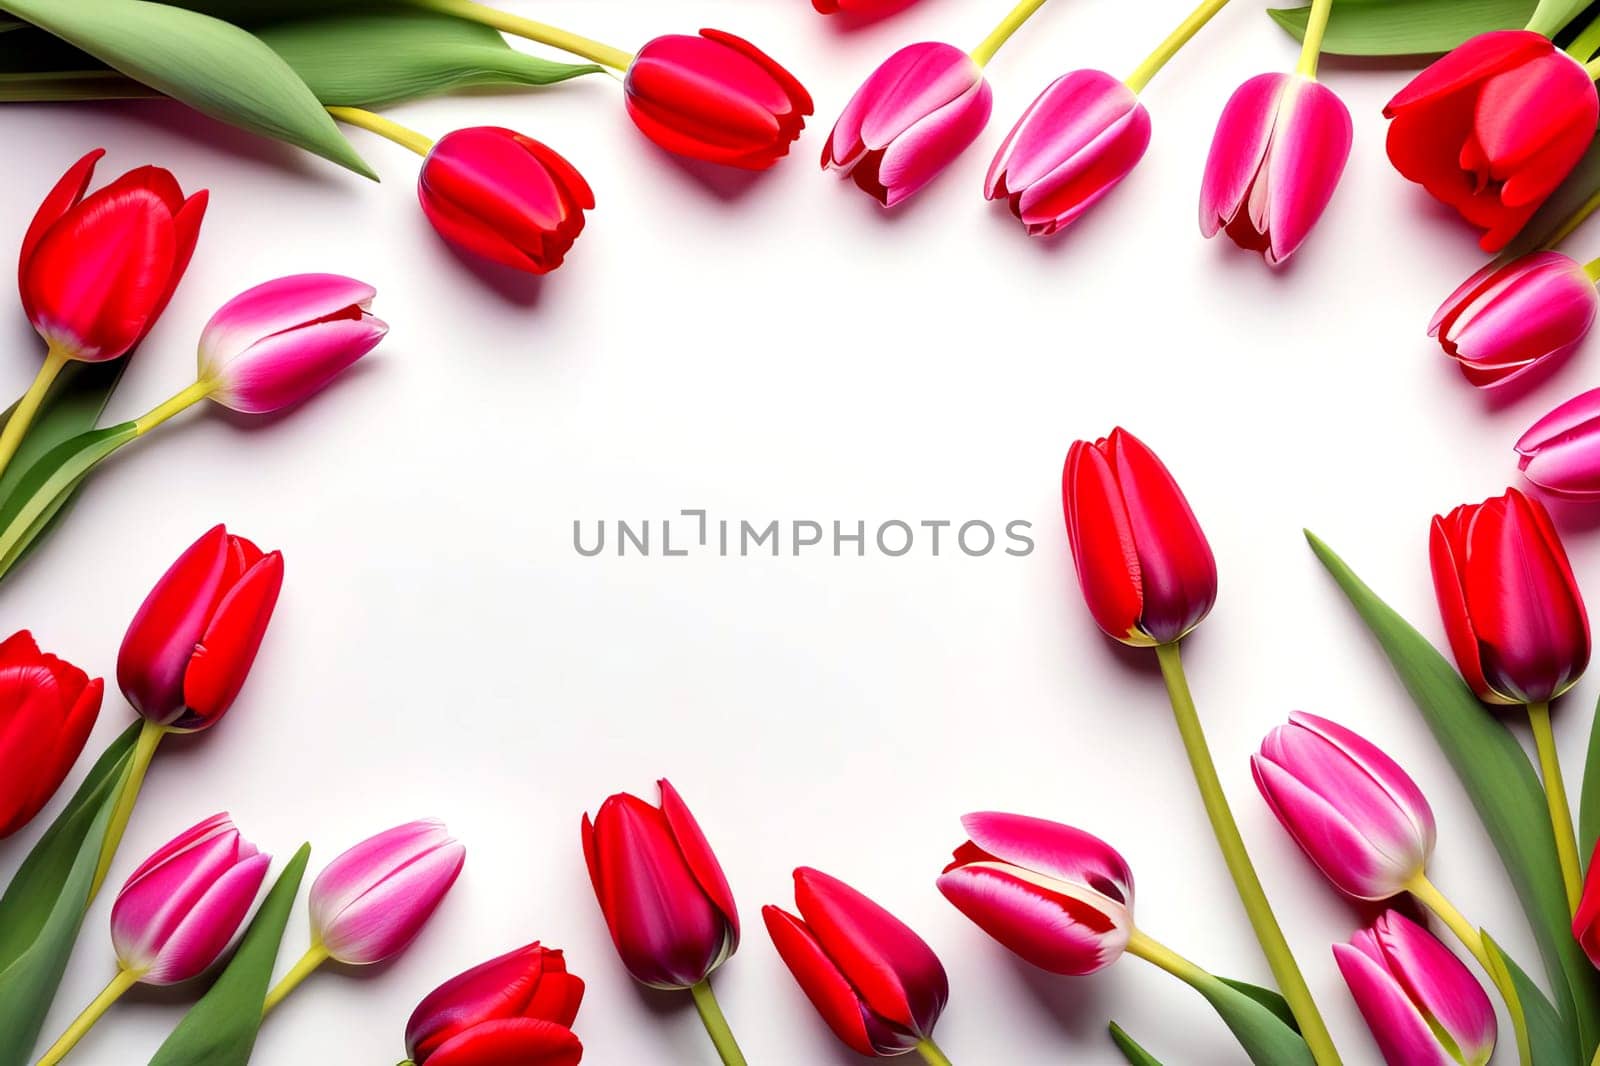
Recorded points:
372,901
1421,1002
1561,452
1056,896
1275,161
1074,144
1508,318
1350,807
909,120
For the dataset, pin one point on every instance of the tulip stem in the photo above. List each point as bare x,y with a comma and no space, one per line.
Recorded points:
144,749
932,1054
114,991
314,957
1268,932
1316,30
1566,226
176,403
22,415
705,1001
388,129
1153,951
1592,68
1430,897
1175,40
517,26
1002,33
1584,46
1555,795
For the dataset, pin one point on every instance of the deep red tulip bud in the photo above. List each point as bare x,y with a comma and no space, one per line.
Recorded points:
876,983
662,891
716,97
530,983
1511,607
190,647
47,708
97,270
504,196
1143,562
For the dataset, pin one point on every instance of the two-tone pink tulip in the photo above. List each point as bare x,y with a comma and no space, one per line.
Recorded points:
877,984
1560,453
1422,1004
1510,317
514,1009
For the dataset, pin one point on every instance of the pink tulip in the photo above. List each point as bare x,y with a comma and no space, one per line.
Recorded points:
1422,1004
180,909
1073,145
276,344
1561,452
1279,150
909,120
1056,896
1349,806
1510,316
373,900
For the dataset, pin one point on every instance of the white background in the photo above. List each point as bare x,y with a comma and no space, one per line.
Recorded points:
778,347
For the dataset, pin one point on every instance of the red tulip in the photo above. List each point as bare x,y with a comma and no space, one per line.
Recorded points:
524,998
47,708
1492,128
190,647
504,196
1143,562
1511,607
662,891
716,97
876,983
1586,922
97,270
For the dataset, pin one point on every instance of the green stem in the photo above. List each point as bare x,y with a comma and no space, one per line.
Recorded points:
1175,40
1002,33
23,414
1153,951
705,1001
1270,935
372,122
1592,68
144,749
931,1053
81,1025
1547,17
314,957
517,26
1555,795
1316,29
1584,46
178,402
1430,897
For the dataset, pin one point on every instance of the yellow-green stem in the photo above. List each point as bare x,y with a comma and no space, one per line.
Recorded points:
372,122
1268,932
1430,897
1592,68
55,359
114,991
1153,951
1584,46
517,26
705,1001
1316,29
1002,33
1175,40
1592,270
177,403
144,749
1555,797
932,1054
314,957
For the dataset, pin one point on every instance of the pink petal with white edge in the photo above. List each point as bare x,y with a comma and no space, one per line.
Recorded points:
914,83
1311,142
1439,983
1239,149
1048,930
1347,858
1561,452
388,917
152,905
1535,308
274,306
199,940
922,152
289,367
354,873
1058,851
1066,193
1381,770
1402,1034
1070,114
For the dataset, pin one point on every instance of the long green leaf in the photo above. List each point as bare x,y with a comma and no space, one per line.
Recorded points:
221,1029
43,907
1589,801
1541,1038
48,485
1268,998
1405,27
1504,790
1259,1030
1136,1055
213,66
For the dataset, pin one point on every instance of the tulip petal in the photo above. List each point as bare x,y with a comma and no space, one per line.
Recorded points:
1052,930
1379,793
1101,534
224,654
698,854
155,652
1402,1033
511,1042
1311,143
200,937
66,192
1055,850
387,917
275,307
1239,149
822,982
1438,983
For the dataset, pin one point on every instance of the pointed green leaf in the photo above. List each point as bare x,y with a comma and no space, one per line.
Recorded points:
213,66
45,488
1541,1038
1589,801
1268,998
221,1029
1259,1030
1136,1055
43,907
1405,27
1504,790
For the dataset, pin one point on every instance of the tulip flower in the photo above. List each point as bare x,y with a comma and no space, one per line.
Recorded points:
1149,578
176,915
372,901
1494,127
858,7
1080,137
97,270
1560,453
47,708
1586,919
517,1008
665,899
1423,1006
1509,317
1516,624
876,983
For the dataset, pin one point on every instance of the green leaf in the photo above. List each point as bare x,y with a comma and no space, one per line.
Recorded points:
30,510
213,66
220,1030
1259,1030
1405,27
1541,1038
1268,998
1504,790
1136,1055
1589,801
1551,16
43,907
